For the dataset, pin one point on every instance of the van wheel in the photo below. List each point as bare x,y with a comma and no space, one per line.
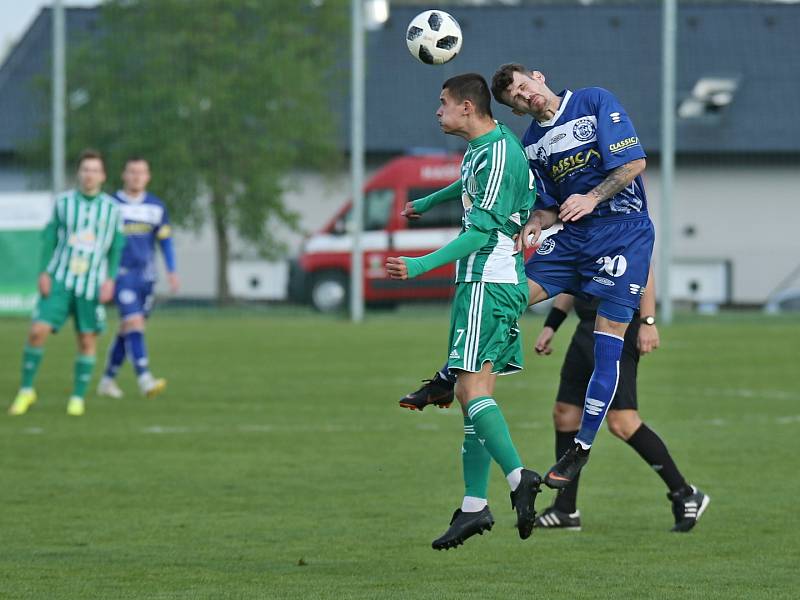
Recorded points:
329,291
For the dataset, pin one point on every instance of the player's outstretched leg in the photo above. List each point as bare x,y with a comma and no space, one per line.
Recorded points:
463,526
687,507
599,394
438,390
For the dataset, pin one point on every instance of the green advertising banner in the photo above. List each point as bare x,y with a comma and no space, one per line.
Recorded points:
22,217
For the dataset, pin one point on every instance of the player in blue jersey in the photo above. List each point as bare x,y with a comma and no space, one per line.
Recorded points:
145,222
587,160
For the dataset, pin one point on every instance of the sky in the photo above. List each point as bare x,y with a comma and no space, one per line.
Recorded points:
17,15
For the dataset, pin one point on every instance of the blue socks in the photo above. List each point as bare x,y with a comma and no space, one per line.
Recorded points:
134,341
445,374
116,356
602,386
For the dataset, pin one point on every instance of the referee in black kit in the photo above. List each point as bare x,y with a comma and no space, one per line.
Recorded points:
688,503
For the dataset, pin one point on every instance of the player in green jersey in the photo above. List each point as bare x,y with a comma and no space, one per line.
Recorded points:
81,248
497,192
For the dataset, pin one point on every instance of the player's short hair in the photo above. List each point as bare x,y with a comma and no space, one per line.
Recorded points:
136,158
503,78
472,87
90,154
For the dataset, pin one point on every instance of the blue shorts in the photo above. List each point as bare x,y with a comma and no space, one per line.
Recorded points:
133,296
608,261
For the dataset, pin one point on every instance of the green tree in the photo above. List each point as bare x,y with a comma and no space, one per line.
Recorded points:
224,97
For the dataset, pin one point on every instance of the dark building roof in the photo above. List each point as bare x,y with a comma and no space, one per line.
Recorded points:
617,47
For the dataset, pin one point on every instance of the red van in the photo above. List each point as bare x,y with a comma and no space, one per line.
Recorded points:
320,274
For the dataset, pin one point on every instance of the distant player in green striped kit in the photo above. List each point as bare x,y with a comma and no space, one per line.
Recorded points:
497,191
81,248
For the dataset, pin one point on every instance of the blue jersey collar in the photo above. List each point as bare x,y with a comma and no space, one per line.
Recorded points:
565,96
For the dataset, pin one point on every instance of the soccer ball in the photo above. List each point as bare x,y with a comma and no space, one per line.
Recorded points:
433,37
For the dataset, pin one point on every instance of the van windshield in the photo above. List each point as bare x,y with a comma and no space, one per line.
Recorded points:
378,206
446,215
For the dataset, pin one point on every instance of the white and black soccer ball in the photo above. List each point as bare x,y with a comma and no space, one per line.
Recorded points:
433,37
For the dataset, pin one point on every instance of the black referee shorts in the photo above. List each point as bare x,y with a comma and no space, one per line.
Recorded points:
579,364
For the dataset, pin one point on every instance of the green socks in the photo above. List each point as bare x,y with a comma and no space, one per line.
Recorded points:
84,365
491,427
31,358
476,461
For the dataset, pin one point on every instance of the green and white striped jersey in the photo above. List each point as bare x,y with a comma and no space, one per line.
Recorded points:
498,192
81,236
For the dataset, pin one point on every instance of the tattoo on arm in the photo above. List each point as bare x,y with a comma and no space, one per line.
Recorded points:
617,180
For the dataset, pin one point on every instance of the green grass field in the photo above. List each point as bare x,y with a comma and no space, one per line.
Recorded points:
278,465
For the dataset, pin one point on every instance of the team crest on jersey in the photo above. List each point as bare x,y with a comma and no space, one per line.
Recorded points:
472,185
546,247
583,130
83,240
126,296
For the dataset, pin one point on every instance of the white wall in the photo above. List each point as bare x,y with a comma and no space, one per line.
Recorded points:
748,215
315,197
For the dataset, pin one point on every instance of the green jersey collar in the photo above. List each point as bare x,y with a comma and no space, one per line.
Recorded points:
487,138
87,197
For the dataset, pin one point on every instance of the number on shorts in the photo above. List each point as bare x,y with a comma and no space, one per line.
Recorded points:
458,339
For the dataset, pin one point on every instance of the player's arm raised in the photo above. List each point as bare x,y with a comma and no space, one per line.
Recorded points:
580,205
415,208
404,267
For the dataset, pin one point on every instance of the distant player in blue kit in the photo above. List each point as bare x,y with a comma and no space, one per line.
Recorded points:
587,162
145,223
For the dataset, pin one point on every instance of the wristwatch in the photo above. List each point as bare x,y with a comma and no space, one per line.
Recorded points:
648,320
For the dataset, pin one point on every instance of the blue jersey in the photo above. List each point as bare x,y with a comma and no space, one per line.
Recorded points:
589,136
144,222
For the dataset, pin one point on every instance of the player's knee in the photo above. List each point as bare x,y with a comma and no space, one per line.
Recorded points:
133,323
623,423
87,343
38,334
566,417
613,317
536,293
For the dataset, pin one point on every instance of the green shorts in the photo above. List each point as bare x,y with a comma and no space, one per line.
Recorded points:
89,315
483,326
